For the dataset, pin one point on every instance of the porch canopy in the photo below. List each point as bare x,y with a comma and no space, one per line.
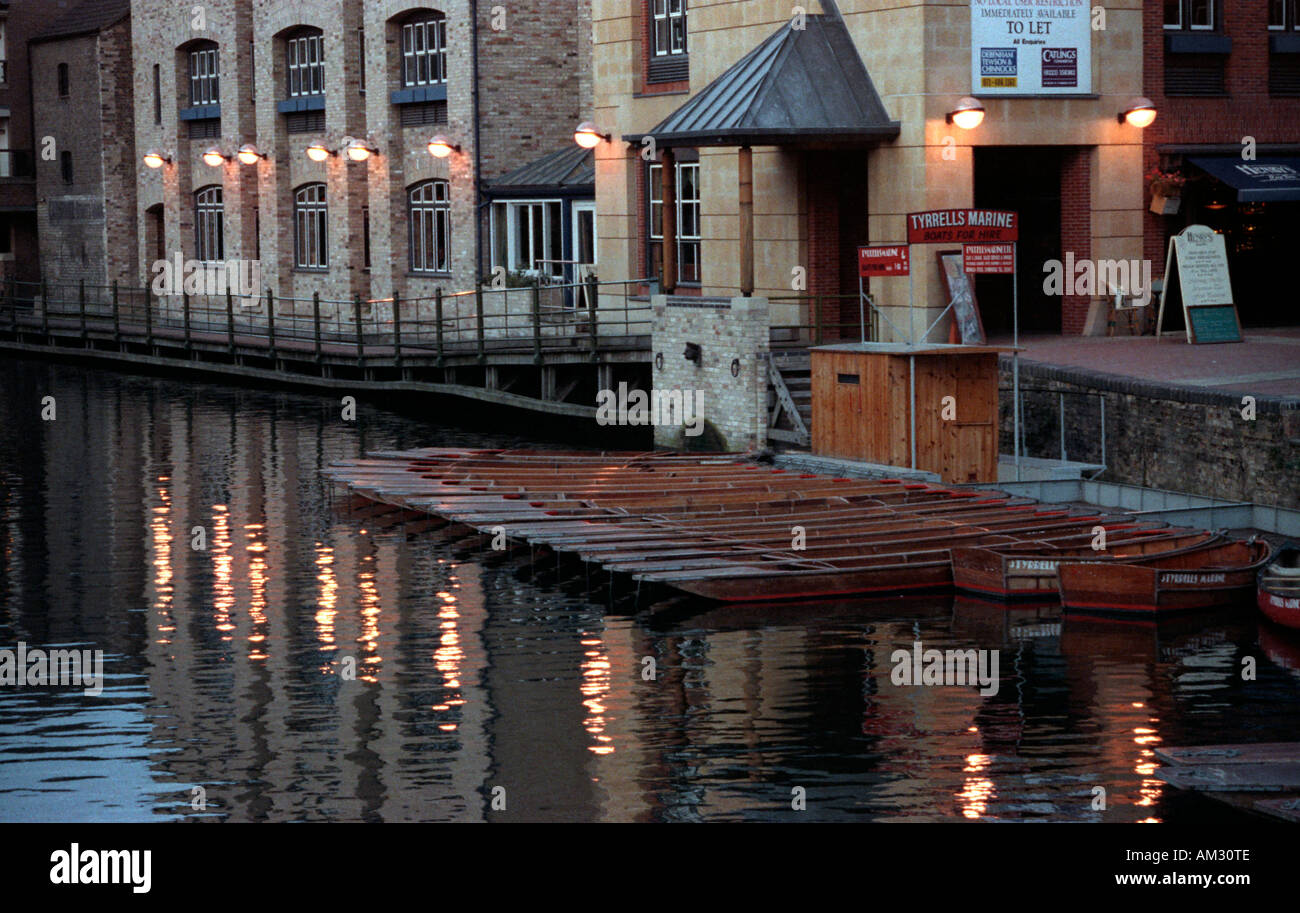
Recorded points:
803,87
569,171
1263,180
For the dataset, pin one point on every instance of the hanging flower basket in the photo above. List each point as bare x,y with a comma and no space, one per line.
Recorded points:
1165,206
1166,191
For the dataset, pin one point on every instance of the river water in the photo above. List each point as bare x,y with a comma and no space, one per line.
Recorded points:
183,529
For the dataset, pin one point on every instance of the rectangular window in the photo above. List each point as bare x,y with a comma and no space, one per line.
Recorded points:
365,236
1195,14
528,237
430,219
688,221
65,87
668,27
310,224
204,77
1281,15
306,65
209,228
424,52
157,94
65,166
361,59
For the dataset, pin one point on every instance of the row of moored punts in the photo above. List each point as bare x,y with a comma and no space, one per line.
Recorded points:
733,528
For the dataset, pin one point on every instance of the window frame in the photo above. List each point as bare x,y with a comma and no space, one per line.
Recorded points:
311,211
205,74
1185,17
1289,17
435,213
654,232
662,12
429,56
209,224
299,65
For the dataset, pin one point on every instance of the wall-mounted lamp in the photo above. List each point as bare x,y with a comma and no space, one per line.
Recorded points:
249,154
1141,112
588,135
693,352
319,152
968,114
440,147
358,150
155,159
214,157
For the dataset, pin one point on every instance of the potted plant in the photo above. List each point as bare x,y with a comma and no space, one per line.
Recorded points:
1166,191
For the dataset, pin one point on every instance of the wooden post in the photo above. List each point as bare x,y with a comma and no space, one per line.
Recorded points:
668,179
117,320
745,167
537,324
437,320
315,320
81,306
593,291
397,331
148,316
361,349
270,324
478,320
185,308
230,321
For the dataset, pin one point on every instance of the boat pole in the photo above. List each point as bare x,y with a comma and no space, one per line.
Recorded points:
1015,354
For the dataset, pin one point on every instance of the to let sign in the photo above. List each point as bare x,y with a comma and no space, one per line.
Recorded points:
988,258
884,260
962,226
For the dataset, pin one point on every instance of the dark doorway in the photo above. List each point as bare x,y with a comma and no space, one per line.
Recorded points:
1026,179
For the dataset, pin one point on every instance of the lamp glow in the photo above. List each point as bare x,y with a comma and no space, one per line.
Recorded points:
317,152
440,147
155,159
588,135
1140,113
357,151
214,157
968,114
248,154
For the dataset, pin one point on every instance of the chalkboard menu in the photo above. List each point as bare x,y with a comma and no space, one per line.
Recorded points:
965,310
1213,323
1203,283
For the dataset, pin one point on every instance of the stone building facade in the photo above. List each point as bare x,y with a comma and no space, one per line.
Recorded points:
84,156
1064,161
501,84
20,20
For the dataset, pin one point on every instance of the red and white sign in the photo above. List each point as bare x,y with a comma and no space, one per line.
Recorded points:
960,226
883,260
988,258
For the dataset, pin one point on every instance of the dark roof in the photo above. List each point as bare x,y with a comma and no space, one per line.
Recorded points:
571,169
799,86
82,17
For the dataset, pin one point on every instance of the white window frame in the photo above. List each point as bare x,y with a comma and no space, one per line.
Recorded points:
429,214
668,14
1288,16
205,76
311,227
305,64
578,208
1201,28
209,225
683,240
424,52
511,258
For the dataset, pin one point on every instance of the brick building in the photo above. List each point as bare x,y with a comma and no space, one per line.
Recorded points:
1225,77
844,114
502,86
85,144
19,21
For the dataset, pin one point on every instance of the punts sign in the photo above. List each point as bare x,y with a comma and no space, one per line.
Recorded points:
1031,47
962,226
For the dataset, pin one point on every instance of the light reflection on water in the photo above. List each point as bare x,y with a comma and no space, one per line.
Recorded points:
312,659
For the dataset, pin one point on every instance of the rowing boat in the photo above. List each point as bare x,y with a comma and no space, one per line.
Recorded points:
1278,588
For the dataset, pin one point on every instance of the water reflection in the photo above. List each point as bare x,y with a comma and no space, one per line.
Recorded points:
303,657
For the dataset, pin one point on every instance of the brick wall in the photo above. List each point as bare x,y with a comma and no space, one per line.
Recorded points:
822,220
727,330
1076,228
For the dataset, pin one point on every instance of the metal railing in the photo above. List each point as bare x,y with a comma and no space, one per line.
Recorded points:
812,327
1042,433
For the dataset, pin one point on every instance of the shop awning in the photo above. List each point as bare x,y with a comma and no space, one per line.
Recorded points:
1263,180
802,86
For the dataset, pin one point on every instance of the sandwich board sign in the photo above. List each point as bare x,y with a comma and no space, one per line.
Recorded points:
1201,257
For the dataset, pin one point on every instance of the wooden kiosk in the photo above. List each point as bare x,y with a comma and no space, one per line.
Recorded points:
929,406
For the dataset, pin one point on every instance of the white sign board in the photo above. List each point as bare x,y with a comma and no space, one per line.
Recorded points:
1031,47
1202,267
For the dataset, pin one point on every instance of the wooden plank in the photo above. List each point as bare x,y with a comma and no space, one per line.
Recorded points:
1234,777
1256,753
1287,809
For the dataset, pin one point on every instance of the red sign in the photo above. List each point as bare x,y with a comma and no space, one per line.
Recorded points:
988,258
958,226
886,260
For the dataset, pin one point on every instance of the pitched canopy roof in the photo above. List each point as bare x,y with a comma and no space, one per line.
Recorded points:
800,86
81,18
571,169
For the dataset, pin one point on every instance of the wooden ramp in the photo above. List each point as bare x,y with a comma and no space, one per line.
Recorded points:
1263,778
722,526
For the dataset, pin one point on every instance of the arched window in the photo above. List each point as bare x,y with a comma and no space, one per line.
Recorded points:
305,62
310,234
430,218
209,228
205,74
424,49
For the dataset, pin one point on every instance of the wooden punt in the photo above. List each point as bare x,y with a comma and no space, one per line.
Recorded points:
1019,572
1278,587
1161,585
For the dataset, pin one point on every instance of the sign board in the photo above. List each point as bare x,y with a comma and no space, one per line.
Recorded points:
1201,258
1031,47
960,226
965,310
989,258
883,260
